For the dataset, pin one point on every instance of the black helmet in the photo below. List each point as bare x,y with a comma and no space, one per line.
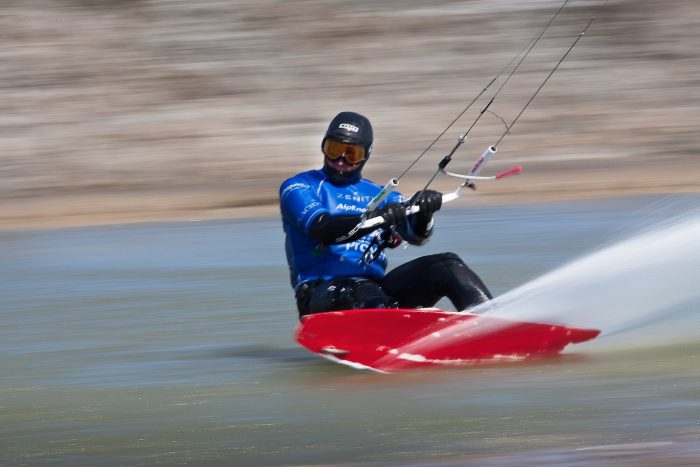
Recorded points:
352,128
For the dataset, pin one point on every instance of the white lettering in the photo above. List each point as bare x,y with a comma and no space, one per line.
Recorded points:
349,127
353,197
363,243
306,210
310,207
350,207
294,186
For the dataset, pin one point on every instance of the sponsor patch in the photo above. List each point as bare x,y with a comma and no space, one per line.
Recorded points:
349,127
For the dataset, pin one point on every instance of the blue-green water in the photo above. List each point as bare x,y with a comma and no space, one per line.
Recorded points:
172,344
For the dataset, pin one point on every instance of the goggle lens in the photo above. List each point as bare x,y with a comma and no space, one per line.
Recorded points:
353,153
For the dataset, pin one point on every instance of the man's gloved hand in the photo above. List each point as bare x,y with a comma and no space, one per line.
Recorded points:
429,201
392,213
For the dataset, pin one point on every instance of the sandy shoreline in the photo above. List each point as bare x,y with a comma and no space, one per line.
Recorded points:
532,186
120,112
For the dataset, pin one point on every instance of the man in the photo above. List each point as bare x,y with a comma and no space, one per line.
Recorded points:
332,270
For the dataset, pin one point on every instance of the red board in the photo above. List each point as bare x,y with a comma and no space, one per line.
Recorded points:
396,339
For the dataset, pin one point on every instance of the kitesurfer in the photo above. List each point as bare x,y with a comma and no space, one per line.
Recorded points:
330,270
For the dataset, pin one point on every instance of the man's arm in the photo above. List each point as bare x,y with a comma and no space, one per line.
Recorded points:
328,229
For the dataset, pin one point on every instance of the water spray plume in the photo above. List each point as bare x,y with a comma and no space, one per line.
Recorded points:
641,291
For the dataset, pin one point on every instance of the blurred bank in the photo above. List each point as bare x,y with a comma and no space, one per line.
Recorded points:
120,111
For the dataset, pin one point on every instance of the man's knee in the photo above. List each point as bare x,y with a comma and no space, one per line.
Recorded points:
451,257
441,260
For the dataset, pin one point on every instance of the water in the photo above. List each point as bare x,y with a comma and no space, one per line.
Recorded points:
647,284
172,343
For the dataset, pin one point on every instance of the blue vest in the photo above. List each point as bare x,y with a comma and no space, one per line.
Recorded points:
305,196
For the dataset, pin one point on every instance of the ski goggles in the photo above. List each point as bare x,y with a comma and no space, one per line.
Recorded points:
353,153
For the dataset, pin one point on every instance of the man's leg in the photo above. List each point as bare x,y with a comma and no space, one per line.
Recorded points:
424,281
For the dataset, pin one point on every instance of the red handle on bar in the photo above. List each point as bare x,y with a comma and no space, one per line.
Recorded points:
512,171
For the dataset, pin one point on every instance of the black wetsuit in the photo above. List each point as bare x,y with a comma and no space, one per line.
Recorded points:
421,282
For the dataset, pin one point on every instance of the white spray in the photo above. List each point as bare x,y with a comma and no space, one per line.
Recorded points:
640,292
649,283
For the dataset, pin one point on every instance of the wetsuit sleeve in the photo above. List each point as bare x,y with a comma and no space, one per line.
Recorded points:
329,229
300,204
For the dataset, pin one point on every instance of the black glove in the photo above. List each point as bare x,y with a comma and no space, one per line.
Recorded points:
392,213
428,201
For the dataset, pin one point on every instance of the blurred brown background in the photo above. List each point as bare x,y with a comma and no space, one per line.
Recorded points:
116,111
